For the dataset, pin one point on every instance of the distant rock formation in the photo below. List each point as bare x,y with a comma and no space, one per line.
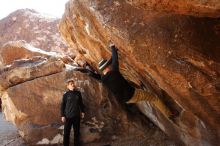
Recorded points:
168,47
38,30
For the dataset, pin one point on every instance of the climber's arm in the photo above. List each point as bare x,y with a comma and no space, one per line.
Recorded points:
94,75
90,73
115,64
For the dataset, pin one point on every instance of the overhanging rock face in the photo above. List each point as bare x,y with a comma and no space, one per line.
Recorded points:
31,89
169,53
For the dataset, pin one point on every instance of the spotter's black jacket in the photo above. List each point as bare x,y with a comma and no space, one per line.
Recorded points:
71,104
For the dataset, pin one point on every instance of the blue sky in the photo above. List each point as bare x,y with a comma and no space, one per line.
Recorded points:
50,7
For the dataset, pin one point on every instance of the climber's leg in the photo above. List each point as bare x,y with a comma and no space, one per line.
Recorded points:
162,107
141,95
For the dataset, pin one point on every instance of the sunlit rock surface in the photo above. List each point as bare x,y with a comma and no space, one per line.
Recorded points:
174,55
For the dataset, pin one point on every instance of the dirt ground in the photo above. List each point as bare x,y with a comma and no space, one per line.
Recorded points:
9,137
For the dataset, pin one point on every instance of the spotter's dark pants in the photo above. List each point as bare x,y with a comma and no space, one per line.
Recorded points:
75,122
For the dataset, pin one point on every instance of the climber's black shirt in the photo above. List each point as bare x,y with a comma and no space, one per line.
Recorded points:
71,104
114,80
119,86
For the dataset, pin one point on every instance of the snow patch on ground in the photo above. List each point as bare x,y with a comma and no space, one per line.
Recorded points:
56,140
43,141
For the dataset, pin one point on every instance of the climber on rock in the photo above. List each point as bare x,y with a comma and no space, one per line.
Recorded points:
72,110
121,88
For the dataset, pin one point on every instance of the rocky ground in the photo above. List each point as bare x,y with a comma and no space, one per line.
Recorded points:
8,134
9,137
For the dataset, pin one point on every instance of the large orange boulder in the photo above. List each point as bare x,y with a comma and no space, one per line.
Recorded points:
170,54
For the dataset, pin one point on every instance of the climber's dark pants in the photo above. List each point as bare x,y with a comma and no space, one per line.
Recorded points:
75,122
